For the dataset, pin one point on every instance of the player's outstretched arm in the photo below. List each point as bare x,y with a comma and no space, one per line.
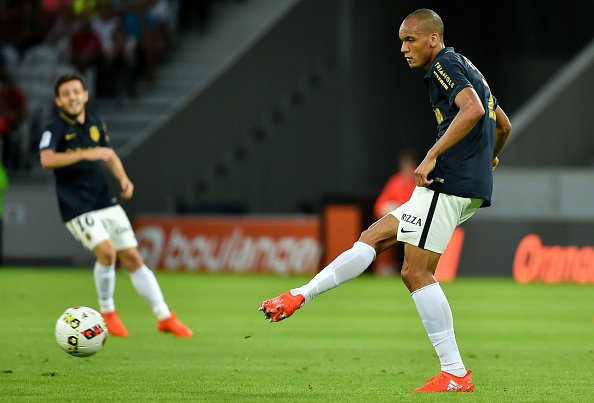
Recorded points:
51,159
117,169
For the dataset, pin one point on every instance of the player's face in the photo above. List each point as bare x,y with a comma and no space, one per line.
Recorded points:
416,44
72,97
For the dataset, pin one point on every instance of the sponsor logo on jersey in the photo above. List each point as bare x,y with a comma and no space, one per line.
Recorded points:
95,134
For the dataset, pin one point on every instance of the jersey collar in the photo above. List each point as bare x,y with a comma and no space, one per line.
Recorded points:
442,52
71,120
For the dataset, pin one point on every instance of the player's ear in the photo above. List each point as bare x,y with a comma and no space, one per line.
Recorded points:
434,39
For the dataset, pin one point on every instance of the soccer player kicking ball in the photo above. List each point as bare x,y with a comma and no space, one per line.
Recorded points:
453,181
76,146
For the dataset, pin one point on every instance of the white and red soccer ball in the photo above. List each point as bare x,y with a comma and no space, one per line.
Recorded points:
81,331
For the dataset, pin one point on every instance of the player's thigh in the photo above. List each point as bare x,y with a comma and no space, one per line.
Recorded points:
381,234
88,230
429,218
118,226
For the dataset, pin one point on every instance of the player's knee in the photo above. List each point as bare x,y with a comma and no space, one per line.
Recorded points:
416,274
406,274
413,275
367,237
130,259
105,253
381,232
371,236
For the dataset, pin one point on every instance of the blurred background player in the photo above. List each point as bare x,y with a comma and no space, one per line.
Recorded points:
395,193
76,146
453,181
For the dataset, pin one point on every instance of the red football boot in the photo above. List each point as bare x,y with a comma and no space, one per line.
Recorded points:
281,307
173,325
115,326
446,382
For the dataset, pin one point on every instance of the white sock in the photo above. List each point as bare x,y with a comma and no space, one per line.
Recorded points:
146,285
105,285
345,267
437,318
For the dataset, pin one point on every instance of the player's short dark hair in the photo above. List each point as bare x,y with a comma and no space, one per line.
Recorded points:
64,78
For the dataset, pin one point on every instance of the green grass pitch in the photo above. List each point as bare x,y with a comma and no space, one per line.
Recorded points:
361,342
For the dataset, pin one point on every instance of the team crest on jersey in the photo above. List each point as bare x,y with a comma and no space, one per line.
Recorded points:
94,133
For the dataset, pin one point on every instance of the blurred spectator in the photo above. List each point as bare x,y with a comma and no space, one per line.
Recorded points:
62,29
157,22
118,53
149,23
12,114
399,187
86,7
396,191
85,46
26,24
55,6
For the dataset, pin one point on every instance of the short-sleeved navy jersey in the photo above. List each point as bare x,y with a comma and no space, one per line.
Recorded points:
81,187
464,170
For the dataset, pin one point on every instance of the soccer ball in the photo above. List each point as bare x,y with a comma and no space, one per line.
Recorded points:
81,331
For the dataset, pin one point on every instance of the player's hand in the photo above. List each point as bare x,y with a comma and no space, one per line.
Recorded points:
99,154
423,170
127,188
495,163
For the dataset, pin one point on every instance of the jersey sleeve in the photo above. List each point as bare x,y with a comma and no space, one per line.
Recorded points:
50,138
448,75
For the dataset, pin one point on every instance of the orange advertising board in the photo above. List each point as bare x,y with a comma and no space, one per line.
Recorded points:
281,245
534,261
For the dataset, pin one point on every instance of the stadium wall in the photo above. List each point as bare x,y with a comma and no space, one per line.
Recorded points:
265,125
554,128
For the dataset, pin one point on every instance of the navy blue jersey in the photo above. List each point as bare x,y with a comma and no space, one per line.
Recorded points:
464,170
81,187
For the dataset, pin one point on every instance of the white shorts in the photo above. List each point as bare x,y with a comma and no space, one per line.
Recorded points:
97,226
428,219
